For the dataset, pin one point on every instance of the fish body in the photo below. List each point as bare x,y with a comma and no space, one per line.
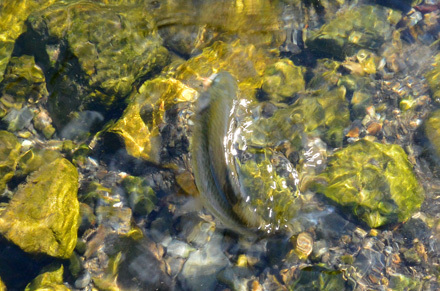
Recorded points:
218,188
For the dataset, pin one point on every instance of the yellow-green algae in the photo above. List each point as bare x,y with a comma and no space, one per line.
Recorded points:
245,62
114,44
318,113
51,278
34,158
375,181
94,55
9,154
141,197
24,80
283,79
139,124
42,216
433,78
352,29
197,24
432,129
319,278
271,198
12,23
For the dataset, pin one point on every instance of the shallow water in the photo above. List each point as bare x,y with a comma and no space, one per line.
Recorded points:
332,136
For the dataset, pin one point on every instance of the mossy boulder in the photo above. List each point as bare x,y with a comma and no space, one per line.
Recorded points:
190,26
24,80
245,62
94,54
320,113
51,278
432,129
35,158
283,79
270,190
139,125
42,216
9,154
319,278
375,181
433,78
361,27
12,23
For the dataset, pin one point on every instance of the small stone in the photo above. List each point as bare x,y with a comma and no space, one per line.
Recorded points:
304,245
179,249
83,280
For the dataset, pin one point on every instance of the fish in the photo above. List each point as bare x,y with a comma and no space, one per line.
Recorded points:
214,172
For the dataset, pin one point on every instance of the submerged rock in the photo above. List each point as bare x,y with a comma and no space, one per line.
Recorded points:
432,129
12,24
42,216
188,27
245,62
433,78
93,54
141,120
319,278
282,80
51,278
362,27
9,154
375,181
34,159
402,282
319,113
141,196
201,269
24,80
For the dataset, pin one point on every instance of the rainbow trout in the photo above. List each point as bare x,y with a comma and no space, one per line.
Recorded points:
213,167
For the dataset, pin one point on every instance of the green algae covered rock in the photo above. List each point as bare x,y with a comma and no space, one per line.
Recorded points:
24,80
245,62
270,191
42,216
362,27
34,158
139,125
399,282
282,80
432,129
191,26
375,181
319,278
319,113
12,23
433,78
50,279
9,153
141,197
95,53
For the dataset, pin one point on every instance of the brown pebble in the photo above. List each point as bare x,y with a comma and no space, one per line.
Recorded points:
354,132
373,128
396,259
256,286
